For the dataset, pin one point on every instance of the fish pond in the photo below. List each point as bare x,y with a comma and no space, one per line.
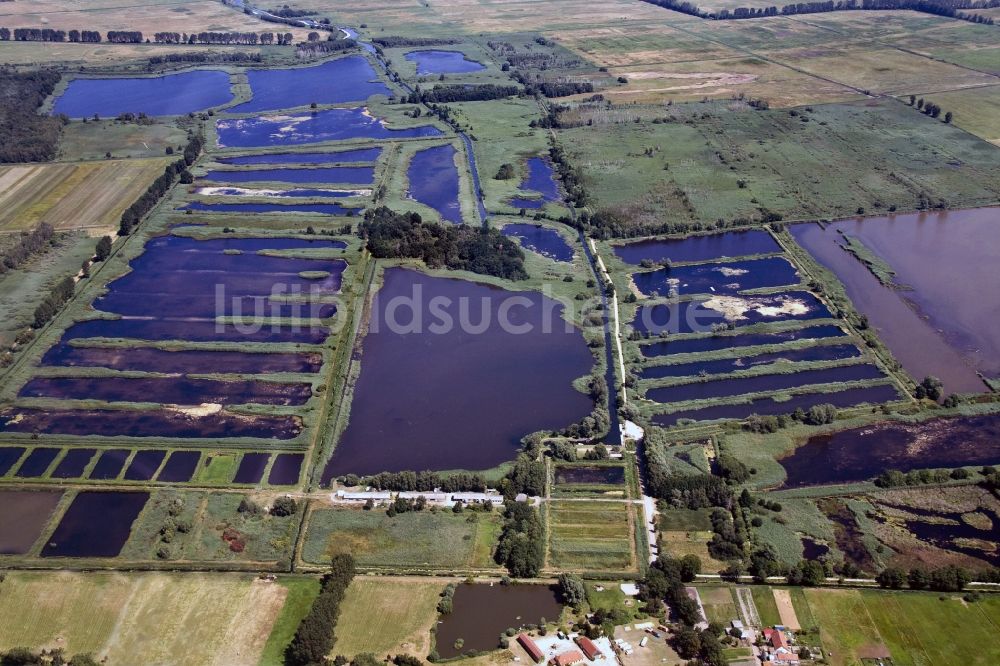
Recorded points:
700,315
722,278
144,465
169,95
320,126
9,455
727,365
352,175
935,314
251,469
699,248
481,612
37,462
317,208
590,474
443,62
73,464
433,181
445,389
349,79
335,157
766,406
285,469
96,524
539,181
25,514
725,341
169,390
541,240
150,359
860,454
180,467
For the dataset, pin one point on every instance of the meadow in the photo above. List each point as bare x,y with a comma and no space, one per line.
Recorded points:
388,616
591,535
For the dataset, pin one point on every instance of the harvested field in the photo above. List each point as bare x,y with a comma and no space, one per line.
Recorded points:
388,616
783,600
87,195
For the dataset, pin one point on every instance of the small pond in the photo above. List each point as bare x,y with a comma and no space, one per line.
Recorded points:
317,208
327,125
699,315
144,465
443,62
150,359
180,467
482,612
863,453
285,469
25,514
540,181
167,390
699,248
37,462
73,464
169,95
446,388
766,406
727,341
96,524
334,157
8,456
727,365
349,79
722,278
591,474
542,240
433,181
109,465
251,468
352,175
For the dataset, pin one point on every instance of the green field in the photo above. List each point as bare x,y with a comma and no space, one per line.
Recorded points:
590,535
388,616
417,540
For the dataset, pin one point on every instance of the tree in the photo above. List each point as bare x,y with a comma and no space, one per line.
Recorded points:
917,579
572,590
103,249
506,172
948,116
284,506
891,578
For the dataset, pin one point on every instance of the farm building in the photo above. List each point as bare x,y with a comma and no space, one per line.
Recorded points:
529,646
568,658
588,647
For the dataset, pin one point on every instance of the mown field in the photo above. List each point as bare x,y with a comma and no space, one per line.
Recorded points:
153,617
88,195
590,535
93,139
388,616
417,540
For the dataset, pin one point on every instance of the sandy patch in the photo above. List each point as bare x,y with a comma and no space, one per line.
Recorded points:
786,610
204,409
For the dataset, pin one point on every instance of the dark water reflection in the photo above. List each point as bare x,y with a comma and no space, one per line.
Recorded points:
96,524
169,95
717,342
699,248
433,179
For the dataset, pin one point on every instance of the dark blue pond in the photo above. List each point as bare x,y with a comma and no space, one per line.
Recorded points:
353,175
723,388
766,406
722,278
726,365
443,62
251,469
321,209
135,423
169,390
148,359
285,469
170,95
158,330
180,467
144,465
695,317
717,342
298,193
110,464
349,79
546,242
96,524
699,248
73,464
8,456
341,156
328,125
541,181
37,462
433,179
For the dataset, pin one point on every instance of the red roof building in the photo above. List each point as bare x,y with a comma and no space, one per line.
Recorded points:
588,647
529,646
568,658
778,639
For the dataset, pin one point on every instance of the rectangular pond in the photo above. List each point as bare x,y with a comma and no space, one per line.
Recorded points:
332,157
766,406
541,240
180,467
352,175
251,208
109,465
727,341
25,514
151,359
938,317
73,464
35,464
723,278
316,127
590,474
349,79
727,365
699,248
9,455
433,181
444,389
96,524
251,469
702,314
169,390
285,469
722,388
430,61
144,465
168,95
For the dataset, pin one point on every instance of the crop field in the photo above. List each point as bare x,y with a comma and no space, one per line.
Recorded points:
977,110
93,139
591,535
388,616
416,540
183,619
87,195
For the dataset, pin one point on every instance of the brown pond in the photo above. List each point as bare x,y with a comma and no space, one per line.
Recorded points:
25,513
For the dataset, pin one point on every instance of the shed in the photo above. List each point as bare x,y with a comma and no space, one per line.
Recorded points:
588,647
568,658
531,648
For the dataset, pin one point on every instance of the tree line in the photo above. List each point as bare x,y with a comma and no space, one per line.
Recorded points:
225,38
461,93
947,8
136,37
521,544
188,56
393,41
50,35
21,656
421,481
392,235
28,244
314,637
26,135
134,213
